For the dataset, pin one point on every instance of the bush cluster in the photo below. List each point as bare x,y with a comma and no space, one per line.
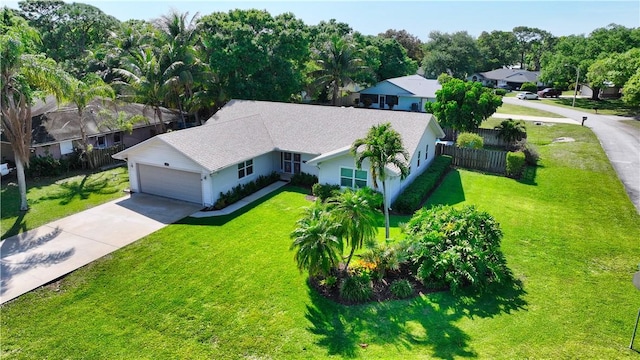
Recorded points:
356,287
401,289
470,141
243,190
529,86
304,180
324,191
456,248
500,92
413,195
47,166
516,162
531,156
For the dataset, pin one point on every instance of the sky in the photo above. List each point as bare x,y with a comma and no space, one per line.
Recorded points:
371,17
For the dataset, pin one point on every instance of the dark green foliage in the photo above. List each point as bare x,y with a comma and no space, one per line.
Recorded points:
47,166
511,131
456,248
324,191
470,141
304,180
500,92
529,86
401,289
515,164
413,195
531,155
356,288
384,257
243,190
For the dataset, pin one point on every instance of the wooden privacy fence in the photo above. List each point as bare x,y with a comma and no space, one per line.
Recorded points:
490,136
494,161
102,157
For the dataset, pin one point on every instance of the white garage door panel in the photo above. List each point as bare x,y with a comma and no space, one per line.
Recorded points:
176,184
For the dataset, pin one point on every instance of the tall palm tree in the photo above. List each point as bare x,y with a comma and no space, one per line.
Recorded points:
382,147
21,74
84,91
318,248
357,218
338,62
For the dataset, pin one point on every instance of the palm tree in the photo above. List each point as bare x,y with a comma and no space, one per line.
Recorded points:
511,131
382,147
357,218
318,248
338,62
84,91
21,74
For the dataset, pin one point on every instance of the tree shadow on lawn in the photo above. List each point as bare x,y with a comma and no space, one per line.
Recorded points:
529,175
427,321
19,225
90,184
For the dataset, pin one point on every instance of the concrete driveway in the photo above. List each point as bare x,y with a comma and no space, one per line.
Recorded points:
41,255
620,141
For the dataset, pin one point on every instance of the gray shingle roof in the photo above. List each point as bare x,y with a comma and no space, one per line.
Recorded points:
245,129
413,85
512,75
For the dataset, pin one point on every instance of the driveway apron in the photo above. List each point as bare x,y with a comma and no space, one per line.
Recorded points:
44,254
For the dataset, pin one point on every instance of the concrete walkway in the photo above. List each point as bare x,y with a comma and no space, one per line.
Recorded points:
562,120
39,256
242,203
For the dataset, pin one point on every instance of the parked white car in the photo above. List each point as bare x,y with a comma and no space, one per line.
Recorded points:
526,95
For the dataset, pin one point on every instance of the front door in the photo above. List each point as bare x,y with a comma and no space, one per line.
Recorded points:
381,102
290,163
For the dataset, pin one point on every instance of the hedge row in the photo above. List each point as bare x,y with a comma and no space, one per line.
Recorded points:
243,190
413,195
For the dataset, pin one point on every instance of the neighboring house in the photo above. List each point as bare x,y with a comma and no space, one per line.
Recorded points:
607,92
511,78
246,139
56,129
407,93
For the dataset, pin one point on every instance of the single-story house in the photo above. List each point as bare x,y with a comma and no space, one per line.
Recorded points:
407,93
246,139
607,92
56,129
506,78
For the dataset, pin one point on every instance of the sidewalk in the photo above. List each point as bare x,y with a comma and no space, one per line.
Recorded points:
536,118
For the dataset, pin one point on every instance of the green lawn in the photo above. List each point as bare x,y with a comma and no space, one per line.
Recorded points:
605,107
228,288
523,110
54,198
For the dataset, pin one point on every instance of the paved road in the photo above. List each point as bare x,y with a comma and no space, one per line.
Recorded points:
620,141
39,256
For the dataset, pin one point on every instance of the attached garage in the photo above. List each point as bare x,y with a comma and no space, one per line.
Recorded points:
175,184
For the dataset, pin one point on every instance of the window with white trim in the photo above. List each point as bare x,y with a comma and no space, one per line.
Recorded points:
245,168
426,152
418,159
117,138
353,178
101,142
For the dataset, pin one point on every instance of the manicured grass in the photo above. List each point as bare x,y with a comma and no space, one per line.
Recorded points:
523,110
54,198
228,287
605,107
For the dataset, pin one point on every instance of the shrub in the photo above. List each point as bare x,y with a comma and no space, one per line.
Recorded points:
470,141
373,197
304,180
500,92
456,247
413,195
324,191
531,156
511,131
401,289
515,164
329,282
384,257
356,288
243,190
529,86
46,166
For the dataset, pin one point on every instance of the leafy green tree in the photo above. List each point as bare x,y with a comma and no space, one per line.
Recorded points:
82,92
22,74
613,39
254,55
338,62
616,68
318,248
463,106
382,147
631,94
410,42
392,59
557,66
454,54
497,49
356,215
526,37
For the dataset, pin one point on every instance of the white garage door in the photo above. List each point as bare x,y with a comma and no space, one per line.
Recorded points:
176,184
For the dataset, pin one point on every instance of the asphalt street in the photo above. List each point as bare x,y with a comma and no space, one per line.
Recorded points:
619,139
